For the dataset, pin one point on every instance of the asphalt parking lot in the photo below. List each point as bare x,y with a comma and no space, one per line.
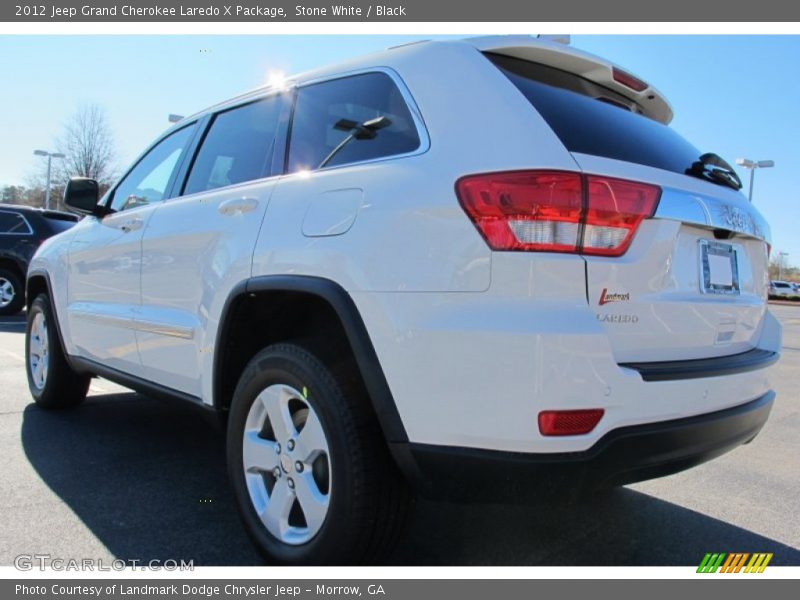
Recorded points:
128,477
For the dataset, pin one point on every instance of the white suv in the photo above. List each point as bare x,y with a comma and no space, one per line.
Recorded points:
476,269
782,289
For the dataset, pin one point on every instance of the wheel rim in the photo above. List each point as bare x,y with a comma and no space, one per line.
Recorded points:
39,351
7,292
286,464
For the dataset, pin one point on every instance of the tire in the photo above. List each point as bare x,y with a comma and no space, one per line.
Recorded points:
364,499
12,293
53,384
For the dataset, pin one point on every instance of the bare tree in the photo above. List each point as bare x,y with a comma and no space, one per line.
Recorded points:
780,269
88,145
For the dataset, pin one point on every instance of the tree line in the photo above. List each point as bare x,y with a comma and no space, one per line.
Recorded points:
784,271
88,147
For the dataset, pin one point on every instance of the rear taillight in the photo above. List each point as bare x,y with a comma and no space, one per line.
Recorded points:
556,211
615,208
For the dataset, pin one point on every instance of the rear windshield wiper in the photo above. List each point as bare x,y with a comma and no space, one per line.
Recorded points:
715,169
356,131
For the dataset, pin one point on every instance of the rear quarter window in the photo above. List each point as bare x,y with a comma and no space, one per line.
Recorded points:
13,224
591,119
321,109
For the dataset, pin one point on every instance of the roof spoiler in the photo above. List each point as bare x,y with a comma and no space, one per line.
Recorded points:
554,51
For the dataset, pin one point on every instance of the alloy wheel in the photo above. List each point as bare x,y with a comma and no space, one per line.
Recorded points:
39,351
287,464
7,292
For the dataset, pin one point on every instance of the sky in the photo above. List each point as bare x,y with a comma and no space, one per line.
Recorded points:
737,96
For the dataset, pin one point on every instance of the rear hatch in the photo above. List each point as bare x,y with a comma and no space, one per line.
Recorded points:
694,280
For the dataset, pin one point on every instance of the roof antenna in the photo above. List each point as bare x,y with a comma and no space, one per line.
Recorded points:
557,38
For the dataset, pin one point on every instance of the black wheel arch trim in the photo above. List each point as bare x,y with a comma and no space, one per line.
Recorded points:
29,301
752,360
16,264
343,305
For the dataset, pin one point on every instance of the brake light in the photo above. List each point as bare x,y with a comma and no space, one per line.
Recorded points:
615,209
569,422
556,211
628,80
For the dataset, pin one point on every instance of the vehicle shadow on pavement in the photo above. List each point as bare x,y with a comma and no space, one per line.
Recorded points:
148,479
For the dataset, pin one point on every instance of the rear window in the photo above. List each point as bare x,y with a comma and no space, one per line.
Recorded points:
13,223
591,119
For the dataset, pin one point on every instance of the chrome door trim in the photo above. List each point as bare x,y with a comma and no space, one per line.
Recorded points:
177,331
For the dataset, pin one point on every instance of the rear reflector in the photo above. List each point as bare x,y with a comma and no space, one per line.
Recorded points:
628,80
556,211
569,422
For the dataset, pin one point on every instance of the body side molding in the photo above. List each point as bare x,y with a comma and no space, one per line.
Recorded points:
147,388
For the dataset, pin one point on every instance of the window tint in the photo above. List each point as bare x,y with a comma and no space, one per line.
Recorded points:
238,147
13,223
148,180
593,120
322,113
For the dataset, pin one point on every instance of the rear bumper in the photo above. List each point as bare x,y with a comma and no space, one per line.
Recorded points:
744,362
623,455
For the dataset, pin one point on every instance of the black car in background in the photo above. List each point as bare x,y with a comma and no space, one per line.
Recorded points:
22,230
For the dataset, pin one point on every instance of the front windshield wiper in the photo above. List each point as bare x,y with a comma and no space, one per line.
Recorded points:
715,169
357,131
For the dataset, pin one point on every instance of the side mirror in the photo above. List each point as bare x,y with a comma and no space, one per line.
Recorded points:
82,195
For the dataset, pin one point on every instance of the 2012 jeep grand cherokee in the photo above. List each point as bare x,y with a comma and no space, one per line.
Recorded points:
474,268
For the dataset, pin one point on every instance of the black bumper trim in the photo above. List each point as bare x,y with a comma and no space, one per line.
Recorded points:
624,455
751,360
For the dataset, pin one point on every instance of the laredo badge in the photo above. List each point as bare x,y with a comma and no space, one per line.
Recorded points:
606,297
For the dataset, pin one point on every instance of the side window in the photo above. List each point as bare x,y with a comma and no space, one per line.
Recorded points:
148,180
238,146
13,223
329,117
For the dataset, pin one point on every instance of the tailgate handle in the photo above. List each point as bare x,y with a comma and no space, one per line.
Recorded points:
237,206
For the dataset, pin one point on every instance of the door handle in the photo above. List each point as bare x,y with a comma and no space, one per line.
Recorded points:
131,225
237,206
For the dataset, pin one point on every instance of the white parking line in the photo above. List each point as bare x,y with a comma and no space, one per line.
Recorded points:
94,386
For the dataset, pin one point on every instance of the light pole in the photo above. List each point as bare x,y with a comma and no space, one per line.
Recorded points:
50,156
780,264
753,165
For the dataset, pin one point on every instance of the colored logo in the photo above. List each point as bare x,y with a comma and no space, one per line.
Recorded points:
605,297
735,562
